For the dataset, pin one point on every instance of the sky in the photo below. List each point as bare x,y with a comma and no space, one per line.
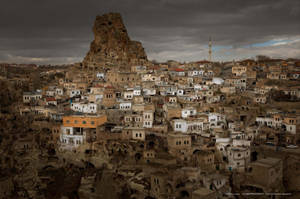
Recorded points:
60,31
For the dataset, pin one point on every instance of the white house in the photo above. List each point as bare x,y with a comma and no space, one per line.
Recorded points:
72,137
75,92
84,107
100,75
180,92
180,125
187,112
137,91
125,106
31,96
149,91
196,126
216,119
267,121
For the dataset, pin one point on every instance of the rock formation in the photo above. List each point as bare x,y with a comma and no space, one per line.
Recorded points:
112,45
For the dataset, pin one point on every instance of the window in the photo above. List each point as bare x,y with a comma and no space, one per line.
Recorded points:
83,122
92,122
75,121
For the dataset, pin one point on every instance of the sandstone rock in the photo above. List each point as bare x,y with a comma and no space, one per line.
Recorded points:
112,45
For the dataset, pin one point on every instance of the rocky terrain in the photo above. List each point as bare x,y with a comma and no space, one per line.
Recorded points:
112,45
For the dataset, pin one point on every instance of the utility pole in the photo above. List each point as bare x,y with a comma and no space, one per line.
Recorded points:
210,51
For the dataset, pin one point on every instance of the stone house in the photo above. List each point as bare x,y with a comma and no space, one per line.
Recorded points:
238,158
266,174
171,111
179,145
31,96
203,159
109,97
239,70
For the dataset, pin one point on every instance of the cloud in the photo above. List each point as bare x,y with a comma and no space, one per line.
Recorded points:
169,29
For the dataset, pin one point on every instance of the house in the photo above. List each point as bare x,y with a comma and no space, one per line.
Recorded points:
239,70
50,93
216,119
289,124
117,77
160,187
238,158
84,107
171,111
190,126
109,97
125,106
128,95
266,174
31,96
149,155
59,91
177,72
261,99
139,69
171,99
187,112
100,75
51,101
148,117
137,91
216,182
75,129
262,120
75,92
204,159
179,145
149,91
273,75
228,90
238,82
133,120
137,133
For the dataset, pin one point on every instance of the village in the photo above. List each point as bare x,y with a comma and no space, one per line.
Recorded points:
148,130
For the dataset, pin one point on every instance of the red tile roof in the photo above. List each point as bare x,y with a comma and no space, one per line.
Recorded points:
48,99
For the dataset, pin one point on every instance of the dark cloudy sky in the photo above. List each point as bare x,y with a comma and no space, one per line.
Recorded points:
60,31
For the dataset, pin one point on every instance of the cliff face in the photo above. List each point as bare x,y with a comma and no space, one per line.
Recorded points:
112,45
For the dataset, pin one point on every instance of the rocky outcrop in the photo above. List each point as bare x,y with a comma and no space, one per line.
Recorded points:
112,45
